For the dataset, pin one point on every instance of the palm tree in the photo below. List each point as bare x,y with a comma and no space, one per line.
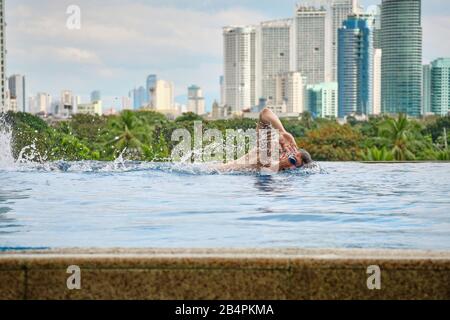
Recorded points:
375,154
129,132
399,132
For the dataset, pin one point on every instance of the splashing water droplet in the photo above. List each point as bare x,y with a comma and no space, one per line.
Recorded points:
6,155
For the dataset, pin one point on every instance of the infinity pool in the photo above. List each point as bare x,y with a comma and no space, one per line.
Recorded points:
344,205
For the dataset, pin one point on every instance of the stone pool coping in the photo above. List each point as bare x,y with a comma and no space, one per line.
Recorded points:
251,274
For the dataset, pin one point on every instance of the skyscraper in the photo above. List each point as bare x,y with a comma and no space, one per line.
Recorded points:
310,43
43,102
340,10
377,55
222,90
139,98
96,96
376,12
240,67
355,66
32,105
2,58
151,87
164,96
68,103
196,101
17,91
126,103
426,89
401,70
275,50
440,86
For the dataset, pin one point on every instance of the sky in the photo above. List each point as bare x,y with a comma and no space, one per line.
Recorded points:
120,42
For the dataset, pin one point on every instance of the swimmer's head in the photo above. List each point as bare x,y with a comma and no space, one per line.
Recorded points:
305,156
295,160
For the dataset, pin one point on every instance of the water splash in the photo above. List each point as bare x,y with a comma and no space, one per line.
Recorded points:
6,155
29,159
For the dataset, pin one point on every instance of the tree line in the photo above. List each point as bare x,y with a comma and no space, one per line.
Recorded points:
146,136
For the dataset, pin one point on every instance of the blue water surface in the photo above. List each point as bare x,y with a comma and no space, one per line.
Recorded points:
345,205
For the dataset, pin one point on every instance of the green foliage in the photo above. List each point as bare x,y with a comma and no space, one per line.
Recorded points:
375,154
189,116
147,135
333,142
128,132
400,134
69,148
435,127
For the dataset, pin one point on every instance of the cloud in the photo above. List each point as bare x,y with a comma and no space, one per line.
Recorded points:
435,35
120,42
76,55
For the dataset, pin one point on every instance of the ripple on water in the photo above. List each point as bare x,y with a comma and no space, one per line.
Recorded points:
140,204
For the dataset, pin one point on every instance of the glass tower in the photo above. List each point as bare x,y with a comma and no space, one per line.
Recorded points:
426,89
401,70
96,96
355,66
151,87
340,10
440,86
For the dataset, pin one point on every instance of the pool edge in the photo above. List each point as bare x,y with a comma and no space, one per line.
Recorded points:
228,274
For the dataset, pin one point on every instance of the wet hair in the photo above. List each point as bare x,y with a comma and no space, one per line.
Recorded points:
306,157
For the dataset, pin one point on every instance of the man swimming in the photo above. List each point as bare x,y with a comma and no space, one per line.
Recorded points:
270,155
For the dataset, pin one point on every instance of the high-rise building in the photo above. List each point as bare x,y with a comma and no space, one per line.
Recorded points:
377,55
7,100
32,104
139,98
96,96
289,92
426,89
196,101
151,87
376,12
68,104
42,103
340,10
322,99
274,47
164,96
13,105
126,103
240,67
222,90
310,43
17,91
355,66
440,86
3,101
401,68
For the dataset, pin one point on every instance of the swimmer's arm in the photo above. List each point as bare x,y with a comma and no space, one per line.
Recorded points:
267,116
247,162
287,140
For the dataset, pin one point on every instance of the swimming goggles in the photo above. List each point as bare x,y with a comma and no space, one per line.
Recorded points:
293,160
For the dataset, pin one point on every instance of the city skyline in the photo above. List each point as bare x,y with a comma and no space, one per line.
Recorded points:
91,67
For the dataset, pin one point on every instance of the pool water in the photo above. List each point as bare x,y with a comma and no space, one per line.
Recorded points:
130,204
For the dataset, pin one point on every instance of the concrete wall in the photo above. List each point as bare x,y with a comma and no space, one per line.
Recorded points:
225,274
